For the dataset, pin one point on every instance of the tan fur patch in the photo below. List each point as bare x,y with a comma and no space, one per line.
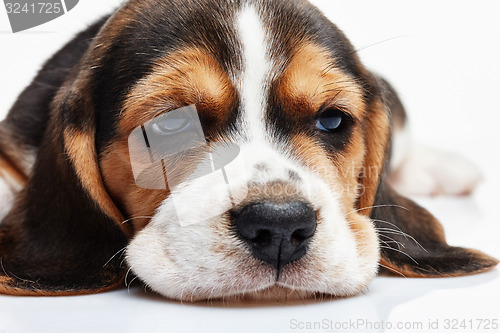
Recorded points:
312,80
186,77
376,137
81,150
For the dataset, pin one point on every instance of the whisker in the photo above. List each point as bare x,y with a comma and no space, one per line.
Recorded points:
137,217
404,234
384,221
14,275
300,297
335,63
341,81
342,86
130,283
187,282
340,90
114,255
126,276
332,65
393,270
3,268
376,206
375,44
402,252
392,231
121,262
392,240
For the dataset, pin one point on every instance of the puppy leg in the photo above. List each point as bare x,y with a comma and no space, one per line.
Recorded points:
429,171
420,170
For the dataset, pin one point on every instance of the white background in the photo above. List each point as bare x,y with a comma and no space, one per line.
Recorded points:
444,59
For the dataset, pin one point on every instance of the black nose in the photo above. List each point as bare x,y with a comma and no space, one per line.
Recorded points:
278,233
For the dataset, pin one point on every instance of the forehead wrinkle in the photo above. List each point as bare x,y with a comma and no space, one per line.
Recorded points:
187,76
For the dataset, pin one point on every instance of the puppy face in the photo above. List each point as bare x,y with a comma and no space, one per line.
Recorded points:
271,96
228,149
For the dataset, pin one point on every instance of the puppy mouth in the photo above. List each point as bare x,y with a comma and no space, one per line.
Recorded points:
262,282
288,286
272,293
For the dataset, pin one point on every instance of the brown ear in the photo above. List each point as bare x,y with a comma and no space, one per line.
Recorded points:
413,244
64,234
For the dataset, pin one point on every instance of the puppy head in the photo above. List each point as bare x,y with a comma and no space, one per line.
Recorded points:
294,186
278,89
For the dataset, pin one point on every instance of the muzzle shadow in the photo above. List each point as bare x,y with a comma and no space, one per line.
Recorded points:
382,297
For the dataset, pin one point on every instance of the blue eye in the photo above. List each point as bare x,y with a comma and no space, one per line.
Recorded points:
330,120
168,125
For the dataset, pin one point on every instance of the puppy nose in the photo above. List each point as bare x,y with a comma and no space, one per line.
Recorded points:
278,233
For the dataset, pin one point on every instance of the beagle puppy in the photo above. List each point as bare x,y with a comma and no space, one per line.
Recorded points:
213,149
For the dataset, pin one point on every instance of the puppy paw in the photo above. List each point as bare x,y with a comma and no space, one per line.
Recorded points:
429,171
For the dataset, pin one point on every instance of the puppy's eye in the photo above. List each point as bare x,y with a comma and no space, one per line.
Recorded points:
168,125
330,120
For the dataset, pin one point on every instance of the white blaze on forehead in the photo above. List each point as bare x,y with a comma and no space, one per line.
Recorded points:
256,69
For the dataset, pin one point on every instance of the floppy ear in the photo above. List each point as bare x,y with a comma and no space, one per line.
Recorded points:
413,244
64,234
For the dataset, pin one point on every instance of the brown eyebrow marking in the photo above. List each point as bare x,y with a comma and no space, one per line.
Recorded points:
187,76
312,80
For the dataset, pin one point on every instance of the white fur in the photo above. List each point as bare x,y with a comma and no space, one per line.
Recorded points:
421,170
189,251
252,84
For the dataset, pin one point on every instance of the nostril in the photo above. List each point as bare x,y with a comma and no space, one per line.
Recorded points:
300,236
263,238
